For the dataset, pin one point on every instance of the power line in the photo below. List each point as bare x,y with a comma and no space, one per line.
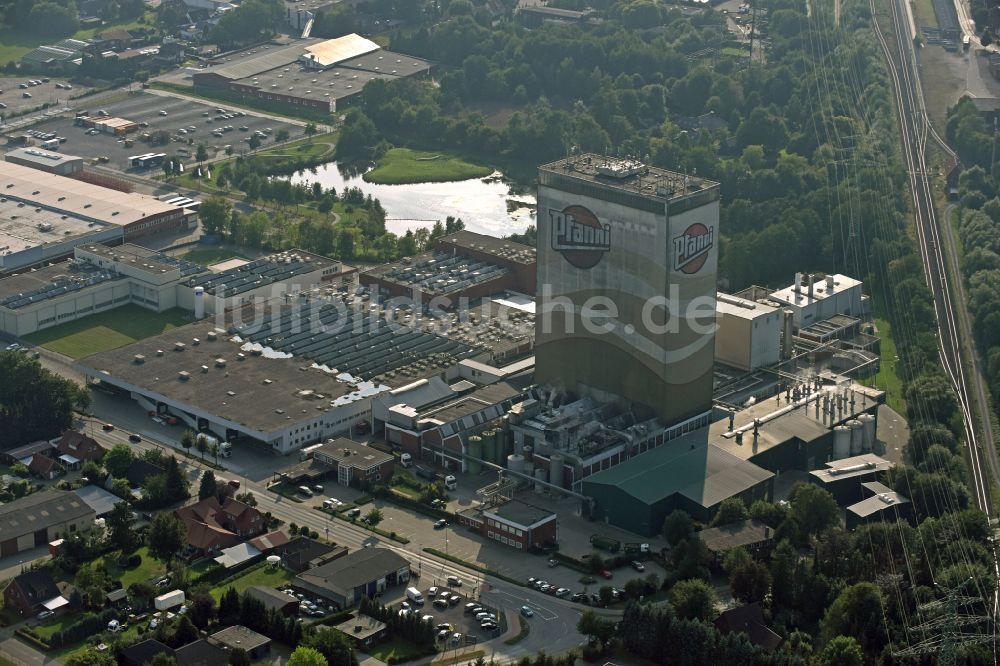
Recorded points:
946,627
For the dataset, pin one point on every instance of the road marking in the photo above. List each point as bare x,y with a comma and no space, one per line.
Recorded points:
546,614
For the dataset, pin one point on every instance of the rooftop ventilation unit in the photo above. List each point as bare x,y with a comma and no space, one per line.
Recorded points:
220,362
138,359
183,375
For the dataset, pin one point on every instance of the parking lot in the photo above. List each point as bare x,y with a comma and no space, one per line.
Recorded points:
154,113
47,91
441,606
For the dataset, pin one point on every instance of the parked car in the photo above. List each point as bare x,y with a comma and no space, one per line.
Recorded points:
638,566
553,563
562,592
433,591
304,490
441,603
317,488
441,524
526,611
45,614
606,574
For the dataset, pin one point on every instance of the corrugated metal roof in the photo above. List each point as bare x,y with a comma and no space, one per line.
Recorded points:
267,57
332,51
702,472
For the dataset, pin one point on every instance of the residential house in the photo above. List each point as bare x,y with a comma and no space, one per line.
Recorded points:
749,620
33,592
43,467
80,446
238,636
198,653
212,526
751,535
116,39
171,53
364,631
270,542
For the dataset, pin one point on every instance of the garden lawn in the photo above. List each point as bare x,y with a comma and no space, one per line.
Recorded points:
402,165
260,574
107,330
148,570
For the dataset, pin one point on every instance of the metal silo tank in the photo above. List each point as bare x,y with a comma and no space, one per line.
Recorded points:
868,432
489,446
540,474
556,461
515,463
474,447
857,436
841,442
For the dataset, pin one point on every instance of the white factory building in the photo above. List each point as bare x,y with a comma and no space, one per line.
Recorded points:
749,334
816,297
97,279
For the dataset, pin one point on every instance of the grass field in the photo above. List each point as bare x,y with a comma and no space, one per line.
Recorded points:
925,16
107,330
886,378
147,570
211,255
402,165
261,574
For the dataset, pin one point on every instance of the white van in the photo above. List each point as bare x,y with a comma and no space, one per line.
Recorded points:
413,594
450,482
406,460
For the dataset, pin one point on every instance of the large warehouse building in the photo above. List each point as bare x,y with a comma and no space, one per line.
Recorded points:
43,216
309,73
631,252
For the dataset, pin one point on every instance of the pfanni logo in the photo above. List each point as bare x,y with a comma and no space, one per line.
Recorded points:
691,248
579,236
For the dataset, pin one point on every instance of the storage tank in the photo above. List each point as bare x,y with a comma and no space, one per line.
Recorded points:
529,468
474,447
504,444
492,447
488,445
556,461
868,432
199,302
515,463
540,475
857,436
841,442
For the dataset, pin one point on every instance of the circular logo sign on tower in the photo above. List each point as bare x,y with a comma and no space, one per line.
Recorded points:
579,236
691,248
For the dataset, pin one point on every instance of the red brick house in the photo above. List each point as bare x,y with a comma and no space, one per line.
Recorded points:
44,467
32,592
515,524
80,446
212,526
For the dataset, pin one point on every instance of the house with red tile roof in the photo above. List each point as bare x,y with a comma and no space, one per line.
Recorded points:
212,526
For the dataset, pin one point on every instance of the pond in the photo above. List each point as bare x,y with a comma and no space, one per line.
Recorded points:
486,205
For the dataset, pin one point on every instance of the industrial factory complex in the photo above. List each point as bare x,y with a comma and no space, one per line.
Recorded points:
309,73
481,355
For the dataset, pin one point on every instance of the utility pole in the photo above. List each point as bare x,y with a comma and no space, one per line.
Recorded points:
945,636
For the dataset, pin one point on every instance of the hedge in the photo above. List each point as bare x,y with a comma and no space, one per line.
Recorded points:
28,636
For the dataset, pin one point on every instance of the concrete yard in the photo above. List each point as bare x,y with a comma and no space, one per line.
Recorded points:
181,113
43,93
